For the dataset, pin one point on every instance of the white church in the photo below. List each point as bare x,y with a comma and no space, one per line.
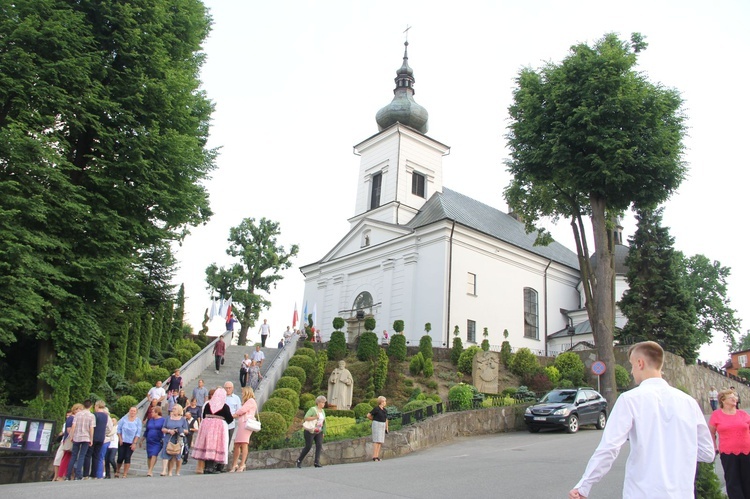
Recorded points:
419,252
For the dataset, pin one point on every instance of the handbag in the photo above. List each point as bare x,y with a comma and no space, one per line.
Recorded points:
311,426
174,448
252,424
67,444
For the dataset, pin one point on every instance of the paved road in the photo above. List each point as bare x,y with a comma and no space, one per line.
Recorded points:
543,465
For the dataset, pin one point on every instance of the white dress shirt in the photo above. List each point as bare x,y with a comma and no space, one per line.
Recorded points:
668,435
234,403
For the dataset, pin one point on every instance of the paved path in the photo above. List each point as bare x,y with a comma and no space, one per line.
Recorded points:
230,371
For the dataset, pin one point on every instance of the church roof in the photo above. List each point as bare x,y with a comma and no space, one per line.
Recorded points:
451,205
403,108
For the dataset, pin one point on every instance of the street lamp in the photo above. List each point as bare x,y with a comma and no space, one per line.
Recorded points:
571,333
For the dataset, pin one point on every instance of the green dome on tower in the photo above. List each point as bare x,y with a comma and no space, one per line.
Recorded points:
403,109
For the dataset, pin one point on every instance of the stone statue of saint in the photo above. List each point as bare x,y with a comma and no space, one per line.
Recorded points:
485,371
340,386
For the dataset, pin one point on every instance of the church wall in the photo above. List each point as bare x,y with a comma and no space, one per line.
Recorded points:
502,273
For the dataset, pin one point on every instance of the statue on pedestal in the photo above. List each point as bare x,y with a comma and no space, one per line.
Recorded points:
340,387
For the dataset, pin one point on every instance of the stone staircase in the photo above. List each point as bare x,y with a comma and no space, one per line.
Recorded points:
230,371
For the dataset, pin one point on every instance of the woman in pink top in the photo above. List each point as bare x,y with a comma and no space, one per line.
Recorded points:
242,436
733,427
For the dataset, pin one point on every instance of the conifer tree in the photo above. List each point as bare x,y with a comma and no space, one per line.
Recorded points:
658,304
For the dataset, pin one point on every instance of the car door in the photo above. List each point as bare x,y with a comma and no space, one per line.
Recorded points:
583,407
592,406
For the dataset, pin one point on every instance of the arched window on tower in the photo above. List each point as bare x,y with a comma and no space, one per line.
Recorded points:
530,313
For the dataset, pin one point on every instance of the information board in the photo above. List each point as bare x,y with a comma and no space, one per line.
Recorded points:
26,434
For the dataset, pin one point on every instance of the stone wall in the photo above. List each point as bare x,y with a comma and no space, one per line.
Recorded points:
695,379
425,434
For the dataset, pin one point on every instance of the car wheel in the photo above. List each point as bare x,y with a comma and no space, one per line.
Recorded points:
601,422
533,429
572,425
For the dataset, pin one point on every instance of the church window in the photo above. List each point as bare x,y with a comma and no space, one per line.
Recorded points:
472,284
376,184
417,184
471,331
363,301
530,313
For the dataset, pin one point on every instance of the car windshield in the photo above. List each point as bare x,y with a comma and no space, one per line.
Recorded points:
560,397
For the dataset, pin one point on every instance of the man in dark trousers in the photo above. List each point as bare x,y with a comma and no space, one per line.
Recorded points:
220,349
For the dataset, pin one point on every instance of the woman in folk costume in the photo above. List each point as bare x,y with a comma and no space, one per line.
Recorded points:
213,436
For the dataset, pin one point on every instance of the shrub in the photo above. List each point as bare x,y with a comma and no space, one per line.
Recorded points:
430,383
288,394
552,374
397,347
337,346
425,346
123,405
367,348
509,392
297,372
398,326
524,363
338,323
183,354
416,365
429,369
308,404
304,399
708,485
460,396
289,382
524,394
171,364
744,372
273,426
622,377
190,345
408,382
361,410
306,351
305,362
381,371
539,382
281,406
416,404
486,345
337,426
370,323
565,383
505,354
320,371
571,367
457,350
140,389
156,374
466,359
340,413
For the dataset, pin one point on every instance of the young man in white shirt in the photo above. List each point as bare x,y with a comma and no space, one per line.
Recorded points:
258,356
667,431
157,392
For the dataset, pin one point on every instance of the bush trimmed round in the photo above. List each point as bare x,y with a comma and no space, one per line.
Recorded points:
425,346
305,362
156,374
289,382
466,359
123,405
140,390
306,351
429,368
288,394
171,364
273,426
304,398
461,396
337,346
308,404
184,355
281,406
296,372
361,410
524,363
368,347
571,367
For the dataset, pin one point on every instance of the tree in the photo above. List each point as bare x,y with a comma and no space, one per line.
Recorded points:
261,259
590,137
103,131
657,303
707,284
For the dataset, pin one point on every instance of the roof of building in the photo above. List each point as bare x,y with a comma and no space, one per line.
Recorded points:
403,108
621,255
451,205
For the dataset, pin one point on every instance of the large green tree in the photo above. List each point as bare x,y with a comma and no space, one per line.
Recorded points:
590,137
103,130
707,284
658,303
249,281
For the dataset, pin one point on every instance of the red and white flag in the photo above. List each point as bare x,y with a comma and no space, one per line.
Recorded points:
229,310
295,317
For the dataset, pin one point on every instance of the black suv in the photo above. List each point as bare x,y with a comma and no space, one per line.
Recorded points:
567,408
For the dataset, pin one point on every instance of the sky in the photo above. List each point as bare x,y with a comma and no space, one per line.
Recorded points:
296,84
